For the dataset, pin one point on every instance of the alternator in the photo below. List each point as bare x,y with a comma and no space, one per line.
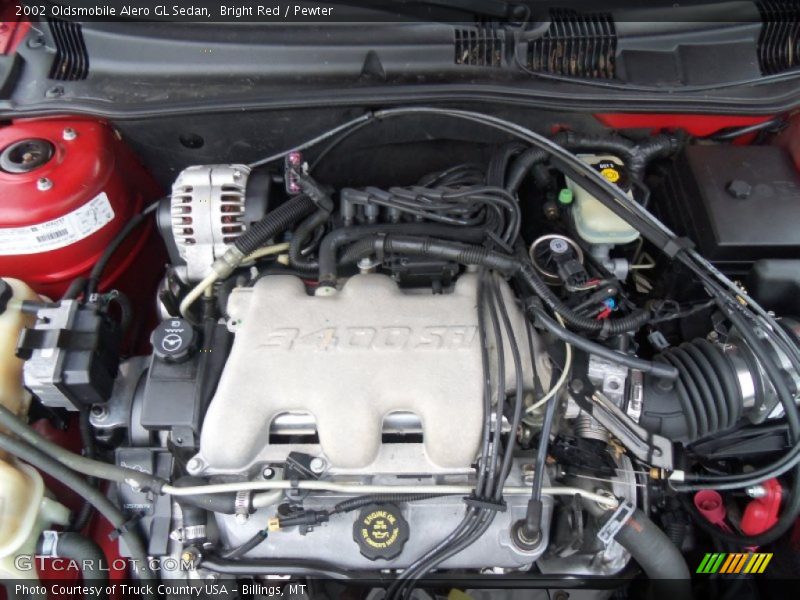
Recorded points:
208,213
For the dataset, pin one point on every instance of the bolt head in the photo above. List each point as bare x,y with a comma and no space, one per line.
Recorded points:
241,518
194,465
99,412
69,134
739,189
43,184
268,473
54,92
317,465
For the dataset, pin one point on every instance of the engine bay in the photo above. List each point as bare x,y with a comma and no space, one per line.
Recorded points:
559,355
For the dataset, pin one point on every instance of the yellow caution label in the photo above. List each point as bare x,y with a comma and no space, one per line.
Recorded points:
611,174
379,529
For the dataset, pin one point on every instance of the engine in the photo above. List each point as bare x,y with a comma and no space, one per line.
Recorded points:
509,368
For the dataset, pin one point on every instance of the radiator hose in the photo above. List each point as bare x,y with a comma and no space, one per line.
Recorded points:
658,557
83,552
636,156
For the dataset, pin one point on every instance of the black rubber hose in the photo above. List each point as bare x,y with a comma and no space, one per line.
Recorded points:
97,271
636,156
632,362
607,327
524,163
103,505
87,440
275,566
338,237
476,255
728,134
218,503
87,555
86,466
244,548
657,146
498,165
274,222
300,235
361,501
75,289
659,558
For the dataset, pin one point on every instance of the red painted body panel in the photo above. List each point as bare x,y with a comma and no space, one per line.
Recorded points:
697,125
93,163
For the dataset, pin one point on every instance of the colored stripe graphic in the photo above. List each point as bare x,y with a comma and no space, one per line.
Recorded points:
734,563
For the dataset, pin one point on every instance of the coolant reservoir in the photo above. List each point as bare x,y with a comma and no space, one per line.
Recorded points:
595,223
12,395
25,510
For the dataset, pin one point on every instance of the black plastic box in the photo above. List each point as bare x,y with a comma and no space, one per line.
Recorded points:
739,204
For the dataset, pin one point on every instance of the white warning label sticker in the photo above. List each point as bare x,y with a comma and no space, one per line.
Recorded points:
58,233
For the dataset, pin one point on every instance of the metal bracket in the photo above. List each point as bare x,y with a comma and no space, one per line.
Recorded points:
650,448
609,531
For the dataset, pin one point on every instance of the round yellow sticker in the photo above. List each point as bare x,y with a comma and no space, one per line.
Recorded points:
611,174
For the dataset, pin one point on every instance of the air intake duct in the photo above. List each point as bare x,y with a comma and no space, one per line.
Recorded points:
718,385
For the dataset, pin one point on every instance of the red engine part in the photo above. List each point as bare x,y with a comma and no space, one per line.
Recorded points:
698,125
68,187
711,506
762,513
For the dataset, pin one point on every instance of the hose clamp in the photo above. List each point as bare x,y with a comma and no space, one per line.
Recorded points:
193,532
241,506
611,528
49,543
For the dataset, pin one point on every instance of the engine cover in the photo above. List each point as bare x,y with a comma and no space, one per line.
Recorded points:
349,360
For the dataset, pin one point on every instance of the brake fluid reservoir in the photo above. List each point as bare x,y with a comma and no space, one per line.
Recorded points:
68,187
595,223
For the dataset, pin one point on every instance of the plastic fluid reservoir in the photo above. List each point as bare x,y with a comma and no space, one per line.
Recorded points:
25,509
595,223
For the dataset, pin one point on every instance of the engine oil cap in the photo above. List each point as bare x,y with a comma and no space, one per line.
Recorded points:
380,531
174,340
